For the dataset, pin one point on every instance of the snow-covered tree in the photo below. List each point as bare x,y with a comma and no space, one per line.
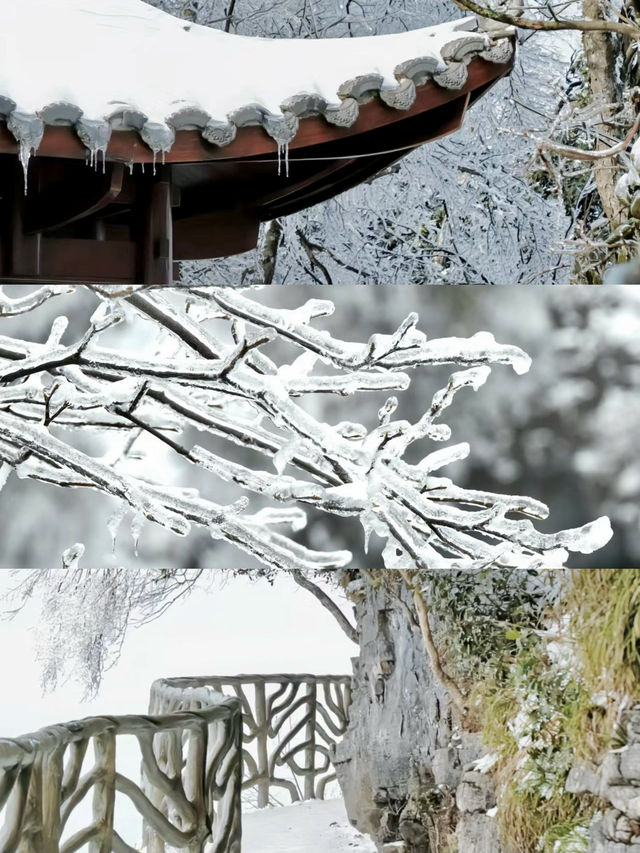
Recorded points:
219,382
466,210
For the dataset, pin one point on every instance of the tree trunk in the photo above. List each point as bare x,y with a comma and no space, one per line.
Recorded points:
600,52
269,254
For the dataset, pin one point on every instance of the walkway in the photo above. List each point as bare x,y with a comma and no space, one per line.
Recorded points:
314,826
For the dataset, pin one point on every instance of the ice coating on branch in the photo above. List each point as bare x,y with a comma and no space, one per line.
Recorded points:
286,453
170,371
446,456
588,538
518,359
300,368
108,313
12,305
72,556
295,518
5,471
58,328
385,413
351,430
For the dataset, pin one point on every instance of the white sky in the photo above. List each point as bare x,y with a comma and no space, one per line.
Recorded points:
238,627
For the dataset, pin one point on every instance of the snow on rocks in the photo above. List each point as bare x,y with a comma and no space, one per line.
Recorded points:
173,75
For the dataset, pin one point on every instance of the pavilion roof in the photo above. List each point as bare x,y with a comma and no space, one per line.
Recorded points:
105,65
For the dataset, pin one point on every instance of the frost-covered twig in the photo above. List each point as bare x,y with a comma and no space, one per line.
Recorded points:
11,306
217,374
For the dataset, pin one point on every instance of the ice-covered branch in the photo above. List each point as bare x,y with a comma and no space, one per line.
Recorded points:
11,306
214,362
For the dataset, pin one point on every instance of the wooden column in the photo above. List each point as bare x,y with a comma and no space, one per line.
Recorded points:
157,237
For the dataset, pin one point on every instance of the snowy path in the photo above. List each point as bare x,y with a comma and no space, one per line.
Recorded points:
315,826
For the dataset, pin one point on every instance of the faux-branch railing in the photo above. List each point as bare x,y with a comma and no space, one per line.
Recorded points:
290,725
189,796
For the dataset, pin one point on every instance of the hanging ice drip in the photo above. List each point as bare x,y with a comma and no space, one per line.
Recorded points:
159,138
95,135
283,154
28,131
282,129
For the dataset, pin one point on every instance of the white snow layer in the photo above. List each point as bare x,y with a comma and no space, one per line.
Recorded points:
104,56
314,826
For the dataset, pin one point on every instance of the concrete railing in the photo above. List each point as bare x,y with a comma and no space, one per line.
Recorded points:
62,789
290,725
189,795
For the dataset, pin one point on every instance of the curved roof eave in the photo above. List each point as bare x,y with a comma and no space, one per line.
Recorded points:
124,65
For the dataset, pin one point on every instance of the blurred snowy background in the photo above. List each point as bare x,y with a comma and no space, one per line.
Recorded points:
565,433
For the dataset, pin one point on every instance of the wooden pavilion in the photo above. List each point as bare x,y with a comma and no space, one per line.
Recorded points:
114,174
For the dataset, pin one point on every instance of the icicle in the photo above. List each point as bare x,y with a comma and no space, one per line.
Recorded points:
131,168
283,154
95,135
367,526
25,156
155,154
137,524
113,524
27,130
95,159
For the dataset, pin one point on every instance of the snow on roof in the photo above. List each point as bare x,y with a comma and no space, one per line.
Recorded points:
103,65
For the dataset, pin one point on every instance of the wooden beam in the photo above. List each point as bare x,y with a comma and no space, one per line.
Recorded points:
215,235
63,205
74,260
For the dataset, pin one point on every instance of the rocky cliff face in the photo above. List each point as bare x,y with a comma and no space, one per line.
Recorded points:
615,829
405,768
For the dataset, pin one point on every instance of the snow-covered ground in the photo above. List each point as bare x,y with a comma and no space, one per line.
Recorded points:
316,826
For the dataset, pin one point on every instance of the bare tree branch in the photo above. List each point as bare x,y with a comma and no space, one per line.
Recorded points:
327,602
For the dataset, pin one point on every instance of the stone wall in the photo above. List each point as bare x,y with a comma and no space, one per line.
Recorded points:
616,828
405,768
